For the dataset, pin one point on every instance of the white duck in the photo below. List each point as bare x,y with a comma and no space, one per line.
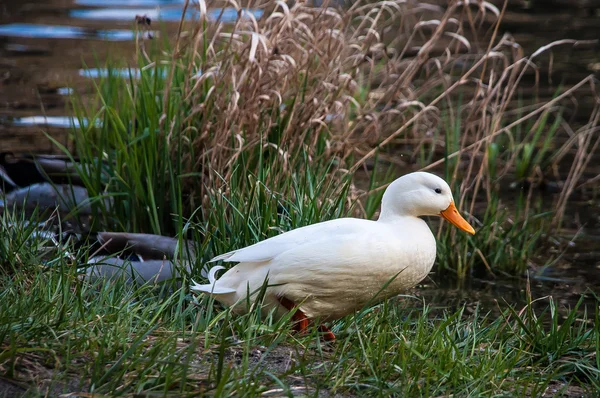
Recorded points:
333,268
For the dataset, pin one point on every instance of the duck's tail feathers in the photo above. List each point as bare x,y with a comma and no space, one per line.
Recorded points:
211,287
222,256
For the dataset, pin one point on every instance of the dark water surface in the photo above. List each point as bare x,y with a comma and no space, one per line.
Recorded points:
44,45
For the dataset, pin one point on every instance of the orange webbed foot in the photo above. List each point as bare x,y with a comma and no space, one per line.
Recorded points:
300,320
327,334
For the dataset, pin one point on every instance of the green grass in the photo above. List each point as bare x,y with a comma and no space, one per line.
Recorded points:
62,334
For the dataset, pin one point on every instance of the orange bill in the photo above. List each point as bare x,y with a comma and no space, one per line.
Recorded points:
453,216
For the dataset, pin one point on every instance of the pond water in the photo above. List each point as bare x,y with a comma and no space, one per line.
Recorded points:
45,43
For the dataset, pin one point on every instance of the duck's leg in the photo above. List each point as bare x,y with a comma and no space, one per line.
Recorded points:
299,318
327,334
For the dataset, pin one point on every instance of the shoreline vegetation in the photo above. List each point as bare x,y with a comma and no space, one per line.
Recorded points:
233,116
229,133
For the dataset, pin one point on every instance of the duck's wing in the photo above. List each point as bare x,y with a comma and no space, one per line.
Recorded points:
272,247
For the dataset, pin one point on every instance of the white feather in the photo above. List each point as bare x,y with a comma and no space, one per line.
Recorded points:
211,286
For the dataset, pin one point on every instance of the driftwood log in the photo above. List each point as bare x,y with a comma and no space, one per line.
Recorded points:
139,258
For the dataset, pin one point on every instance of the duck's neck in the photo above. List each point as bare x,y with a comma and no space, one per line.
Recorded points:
395,218
408,228
388,216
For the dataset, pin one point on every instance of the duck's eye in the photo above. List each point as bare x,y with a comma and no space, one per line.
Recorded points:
438,190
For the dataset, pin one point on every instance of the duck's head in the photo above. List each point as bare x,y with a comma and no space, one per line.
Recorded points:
422,194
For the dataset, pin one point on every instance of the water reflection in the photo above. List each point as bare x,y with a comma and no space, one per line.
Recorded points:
163,14
95,73
64,91
63,32
133,73
129,3
50,121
